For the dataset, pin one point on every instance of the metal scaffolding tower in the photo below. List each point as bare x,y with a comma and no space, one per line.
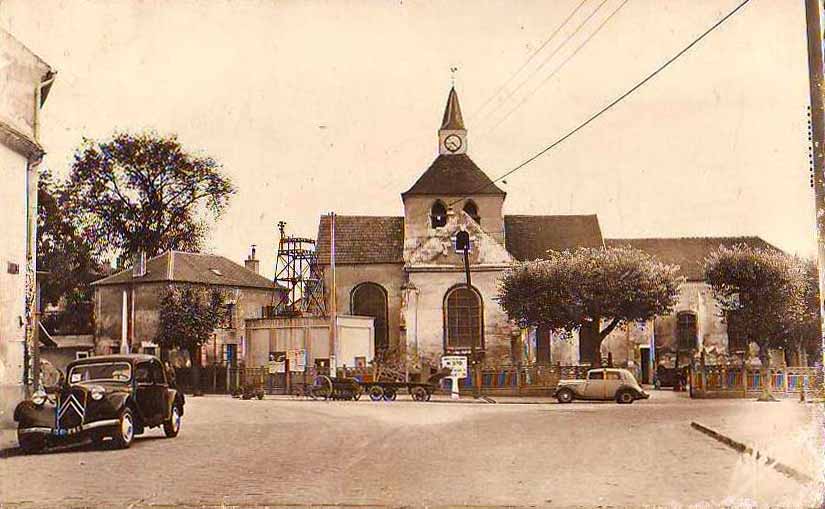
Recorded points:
296,268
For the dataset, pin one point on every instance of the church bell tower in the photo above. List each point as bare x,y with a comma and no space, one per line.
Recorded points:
452,136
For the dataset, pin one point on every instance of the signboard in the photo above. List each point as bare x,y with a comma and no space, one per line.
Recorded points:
277,362
457,363
297,359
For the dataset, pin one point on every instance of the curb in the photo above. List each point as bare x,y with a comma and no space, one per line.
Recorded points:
744,449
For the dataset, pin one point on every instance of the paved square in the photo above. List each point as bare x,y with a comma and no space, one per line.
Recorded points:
406,453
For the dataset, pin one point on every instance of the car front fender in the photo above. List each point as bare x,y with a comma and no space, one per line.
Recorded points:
118,401
27,414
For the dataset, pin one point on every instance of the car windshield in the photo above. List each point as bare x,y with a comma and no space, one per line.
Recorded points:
104,371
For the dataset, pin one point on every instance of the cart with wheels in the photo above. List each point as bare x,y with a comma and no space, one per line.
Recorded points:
418,391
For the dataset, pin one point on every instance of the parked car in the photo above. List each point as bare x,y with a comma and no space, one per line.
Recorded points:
116,396
602,384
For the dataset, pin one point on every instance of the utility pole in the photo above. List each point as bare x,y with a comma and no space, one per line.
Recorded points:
463,243
333,314
813,16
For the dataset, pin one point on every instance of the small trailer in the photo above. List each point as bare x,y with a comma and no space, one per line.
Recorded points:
379,390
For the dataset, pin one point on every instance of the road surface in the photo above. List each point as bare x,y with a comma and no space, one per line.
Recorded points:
279,452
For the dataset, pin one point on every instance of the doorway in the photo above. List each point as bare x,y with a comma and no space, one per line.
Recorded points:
644,353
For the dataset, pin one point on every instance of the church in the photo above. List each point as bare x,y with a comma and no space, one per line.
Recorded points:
406,273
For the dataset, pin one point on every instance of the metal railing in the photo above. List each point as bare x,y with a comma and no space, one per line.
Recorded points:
731,381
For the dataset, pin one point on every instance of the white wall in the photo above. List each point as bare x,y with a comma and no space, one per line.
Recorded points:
12,250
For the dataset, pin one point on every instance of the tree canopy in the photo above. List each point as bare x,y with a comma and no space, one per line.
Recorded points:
773,293
591,290
189,315
144,192
62,252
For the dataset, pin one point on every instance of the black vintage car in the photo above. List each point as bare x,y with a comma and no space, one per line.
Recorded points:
116,396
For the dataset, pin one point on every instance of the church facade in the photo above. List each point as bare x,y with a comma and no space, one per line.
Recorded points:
406,273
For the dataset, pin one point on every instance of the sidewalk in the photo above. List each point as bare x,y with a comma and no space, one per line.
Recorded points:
8,439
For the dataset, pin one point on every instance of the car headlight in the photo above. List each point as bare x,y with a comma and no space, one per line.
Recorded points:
39,397
98,392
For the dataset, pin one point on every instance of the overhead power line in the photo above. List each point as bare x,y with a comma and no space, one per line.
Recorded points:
529,59
558,67
613,103
544,62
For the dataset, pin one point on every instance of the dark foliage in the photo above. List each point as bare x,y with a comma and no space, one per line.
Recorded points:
144,192
591,290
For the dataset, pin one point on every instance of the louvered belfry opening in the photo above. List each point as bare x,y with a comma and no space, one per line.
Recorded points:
472,210
438,215
370,299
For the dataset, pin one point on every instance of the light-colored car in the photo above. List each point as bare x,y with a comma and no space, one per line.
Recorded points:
602,384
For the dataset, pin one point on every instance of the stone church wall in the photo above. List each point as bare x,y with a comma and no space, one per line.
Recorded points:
389,275
694,296
417,214
433,287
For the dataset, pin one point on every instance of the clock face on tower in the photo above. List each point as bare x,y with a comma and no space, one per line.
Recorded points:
452,142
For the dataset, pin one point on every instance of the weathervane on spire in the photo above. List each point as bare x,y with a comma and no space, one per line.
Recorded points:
453,70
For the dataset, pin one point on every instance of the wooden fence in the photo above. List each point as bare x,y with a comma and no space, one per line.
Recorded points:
732,382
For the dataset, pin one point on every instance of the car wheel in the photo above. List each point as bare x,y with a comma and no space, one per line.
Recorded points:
172,427
565,396
31,443
625,397
125,432
389,394
419,394
376,393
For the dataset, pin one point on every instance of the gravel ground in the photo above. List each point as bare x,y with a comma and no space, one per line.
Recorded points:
280,452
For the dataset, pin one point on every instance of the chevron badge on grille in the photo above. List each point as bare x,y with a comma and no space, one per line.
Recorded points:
71,402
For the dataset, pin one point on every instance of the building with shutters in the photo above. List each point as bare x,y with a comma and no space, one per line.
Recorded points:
405,272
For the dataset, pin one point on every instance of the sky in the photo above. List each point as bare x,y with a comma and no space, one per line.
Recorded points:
320,106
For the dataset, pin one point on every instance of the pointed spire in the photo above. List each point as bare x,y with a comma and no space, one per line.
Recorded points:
452,113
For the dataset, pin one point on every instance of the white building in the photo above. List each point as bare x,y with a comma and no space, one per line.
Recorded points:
25,80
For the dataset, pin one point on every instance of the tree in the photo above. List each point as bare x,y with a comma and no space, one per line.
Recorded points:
61,250
68,261
766,289
144,193
189,315
809,328
584,289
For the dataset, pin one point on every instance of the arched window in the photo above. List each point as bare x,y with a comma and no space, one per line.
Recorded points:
472,210
370,299
438,214
686,331
463,318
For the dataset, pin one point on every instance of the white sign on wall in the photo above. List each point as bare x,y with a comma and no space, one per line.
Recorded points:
456,363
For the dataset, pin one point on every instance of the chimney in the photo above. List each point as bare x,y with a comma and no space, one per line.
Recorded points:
139,264
252,263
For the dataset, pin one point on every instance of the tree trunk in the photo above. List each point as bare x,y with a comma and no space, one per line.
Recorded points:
590,343
765,358
195,358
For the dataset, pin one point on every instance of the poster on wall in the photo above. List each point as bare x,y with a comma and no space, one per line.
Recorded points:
297,359
277,362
